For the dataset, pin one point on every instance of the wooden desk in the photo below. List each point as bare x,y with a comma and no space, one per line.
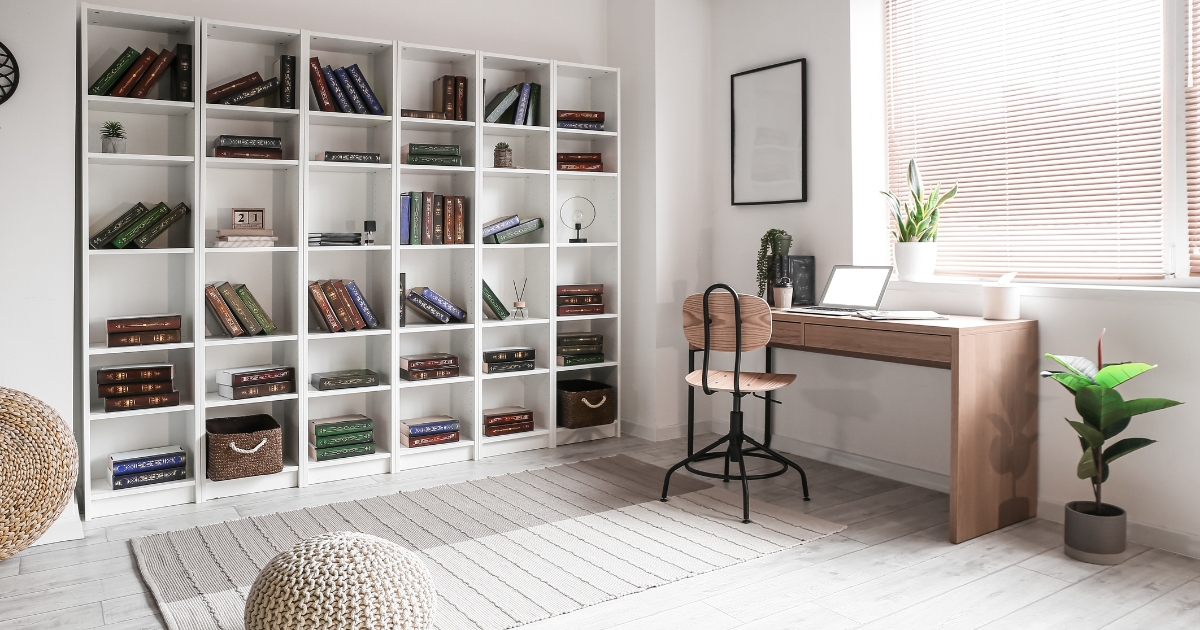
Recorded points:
993,400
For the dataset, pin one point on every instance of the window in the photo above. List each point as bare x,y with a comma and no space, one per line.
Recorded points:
1049,116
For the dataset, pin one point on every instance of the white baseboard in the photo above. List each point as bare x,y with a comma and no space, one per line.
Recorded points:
658,434
67,527
1152,535
862,463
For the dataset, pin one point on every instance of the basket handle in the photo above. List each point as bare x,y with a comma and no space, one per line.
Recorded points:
253,450
597,405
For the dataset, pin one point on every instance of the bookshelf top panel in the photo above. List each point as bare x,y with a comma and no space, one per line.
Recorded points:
348,45
513,64
580,71
249,34
431,54
138,20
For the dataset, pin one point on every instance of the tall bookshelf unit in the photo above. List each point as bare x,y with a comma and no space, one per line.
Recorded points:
169,159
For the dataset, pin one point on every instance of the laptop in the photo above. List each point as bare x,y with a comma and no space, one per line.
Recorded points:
850,289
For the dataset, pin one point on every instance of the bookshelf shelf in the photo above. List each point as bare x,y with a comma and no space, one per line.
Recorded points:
576,318
515,436
420,248
347,167
249,112
339,119
403,384
428,168
424,328
586,245
349,460
124,159
516,245
114,415
241,341
515,172
123,105
580,175
583,134
590,366
497,323
331,249
250,250
140,252
349,334
433,448
101,489
248,164
498,129
102,348
433,124
316,393
533,372
213,399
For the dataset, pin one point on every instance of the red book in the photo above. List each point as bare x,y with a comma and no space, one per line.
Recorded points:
321,310
273,375
427,440
135,373
135,72
143,323
505,429
320,90
427,361
123,339
580,289
523,415
580,115
228,89
460,219
250,154
168,399
448,220
580,157
153,74
429,374
581,309
580,166
566,300
460,98
134,389
218,307
351,309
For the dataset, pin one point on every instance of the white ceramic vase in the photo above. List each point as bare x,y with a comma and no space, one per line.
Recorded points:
915,261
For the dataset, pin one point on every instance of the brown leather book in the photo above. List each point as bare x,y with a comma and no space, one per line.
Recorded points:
227,89
124,403
254,391
134,389
427,218
570,300
448,220
253,154
135,373
580,157
460,98
351,309
219,309
122,339
143,323
580,115
443,96
317,79
505,429
580,166
508,418
429,374
580,289
422,113
460,219
339,307
415,441
259,377
135,72
321,311
153,74
581,309
239,308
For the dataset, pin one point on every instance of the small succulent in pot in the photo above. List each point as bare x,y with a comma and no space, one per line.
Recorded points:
112,137
502,156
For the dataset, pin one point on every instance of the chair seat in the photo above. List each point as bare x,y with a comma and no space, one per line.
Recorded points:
722,380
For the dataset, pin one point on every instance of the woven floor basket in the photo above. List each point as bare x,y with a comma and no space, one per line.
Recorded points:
243,446
38,467
583,403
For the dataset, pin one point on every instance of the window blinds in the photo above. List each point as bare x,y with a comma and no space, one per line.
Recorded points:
1191,109
1049,117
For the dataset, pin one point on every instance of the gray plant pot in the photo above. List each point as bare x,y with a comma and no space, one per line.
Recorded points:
1092,538
112,145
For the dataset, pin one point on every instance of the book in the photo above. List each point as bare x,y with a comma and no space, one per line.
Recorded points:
422,113
338,452
316,78
499,225
152,75
434,149
492,306
579,339
430,374
255,375
134,389
255,391
533,115
580,157
584,309
505,429
138,373
145,459
427,200
433,160
354,423
503,367
405,218
123,339
239,308
322,312
360,302
356,101
245,241
256,309
287,81
248,142
446,305
156,229
343,439
506,415
428,425
253,92
364,89
335,89
500,104
443,95
148,401
142,323
427,309
581,115
340,307
801,270
428,440
513,353
181,73
220,310
110,231
578,289
460,220
428,360
448,220
249,154
581,166
217,94
522,106
460,98
107,79
581,126
580,349
344,379
351,309
522,229
125,84
439,219
417,206
155,214
579,359
402,281
565,300
134,480
360,157
245,232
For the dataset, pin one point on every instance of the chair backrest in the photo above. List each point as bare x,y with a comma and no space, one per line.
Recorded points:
756,322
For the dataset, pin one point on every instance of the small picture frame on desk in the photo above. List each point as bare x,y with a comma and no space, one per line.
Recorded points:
769,135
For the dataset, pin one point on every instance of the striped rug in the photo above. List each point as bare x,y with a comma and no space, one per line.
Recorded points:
504,551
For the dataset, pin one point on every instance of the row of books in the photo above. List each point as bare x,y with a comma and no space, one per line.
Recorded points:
248,147
344,379
142,386
143,330
506,421
130,469
236,311
581,119
587,162
428,218
133,74
429,431
430,366
431,154
581,348
139,226
343,436
256,381
511,359
339,305
449,100
344,89
433,307
580,299
508,228
334,239
251,87
519,104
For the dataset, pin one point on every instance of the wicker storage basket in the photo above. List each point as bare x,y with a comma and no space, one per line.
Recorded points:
583,403
243,446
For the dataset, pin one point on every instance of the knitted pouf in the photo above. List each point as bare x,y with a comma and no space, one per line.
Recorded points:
342,581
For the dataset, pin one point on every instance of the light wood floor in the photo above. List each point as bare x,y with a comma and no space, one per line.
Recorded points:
891,568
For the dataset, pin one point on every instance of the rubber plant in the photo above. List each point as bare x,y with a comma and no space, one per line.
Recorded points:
766,251
919,223
1104,412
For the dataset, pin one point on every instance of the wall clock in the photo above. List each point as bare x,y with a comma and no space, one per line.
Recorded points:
10,74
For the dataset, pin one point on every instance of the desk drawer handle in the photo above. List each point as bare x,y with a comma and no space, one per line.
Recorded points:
248,452
597,405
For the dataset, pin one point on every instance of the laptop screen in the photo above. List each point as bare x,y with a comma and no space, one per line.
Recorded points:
856,287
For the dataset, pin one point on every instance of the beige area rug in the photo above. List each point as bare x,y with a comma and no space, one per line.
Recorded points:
504,551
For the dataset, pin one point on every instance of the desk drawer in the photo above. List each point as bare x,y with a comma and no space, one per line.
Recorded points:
885,343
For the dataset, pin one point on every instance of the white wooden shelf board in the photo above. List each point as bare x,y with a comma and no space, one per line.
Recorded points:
515,436
584,134
126,159
101,489
433,124
134,251
102,348
316,393
432,248
498,129
584,175
403,384
124,105
213,399
313,249
340,119
588,244
571,368
246,339
249,164
515,172
576,318
130,413
250,112
495,323
346,334
431,169
424,328
349,460
249,250
402,451
320,166
533,372
515,245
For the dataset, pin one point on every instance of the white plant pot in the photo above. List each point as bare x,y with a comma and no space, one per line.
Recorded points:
915,261
112,145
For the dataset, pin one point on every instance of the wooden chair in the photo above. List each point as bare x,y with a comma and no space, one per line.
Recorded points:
729,322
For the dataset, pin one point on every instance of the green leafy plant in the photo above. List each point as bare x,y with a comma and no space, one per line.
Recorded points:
919,223
767,249
112,129
1105,413
502,146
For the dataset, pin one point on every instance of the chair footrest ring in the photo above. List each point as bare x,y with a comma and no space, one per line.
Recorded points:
734,476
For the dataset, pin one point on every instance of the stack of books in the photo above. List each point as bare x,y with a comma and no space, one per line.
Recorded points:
492,306
161,464
354,157
339,305
580,299
582,119
517,105
428,431
506,420
137,386
342,90
139,226
248,147
428,218
449,100
508,228
236,311
334,239
343,436
511,359
580,348
143,330
133,73
246,236
432,307
344,379
425,367
588,162
256,381
247,89
431,154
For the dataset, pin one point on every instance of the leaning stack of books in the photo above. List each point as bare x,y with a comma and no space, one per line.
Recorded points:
133,74
334,239
581,348
125,387
492,306
161,464
246,236
247,89
236,311
430,219
431,154
434,308
508,228
587,162
139,226
428,431
506,420
512,359
344,379
256,381
425,367
248,147
581,119
143,330
343,436
516,105
343,90
339,305
580,299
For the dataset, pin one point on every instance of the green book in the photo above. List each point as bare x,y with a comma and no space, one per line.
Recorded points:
144,239
580,359
356,423
256,309
502,103
105,236
523,229
580,339
109,77
492,305
239,308
338,452
435,160
588,349
433,149
155,215
415,224
534,116
344,439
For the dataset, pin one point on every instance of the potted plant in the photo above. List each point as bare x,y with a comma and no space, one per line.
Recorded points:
112,137
502,156
1094,531
773,244
917,226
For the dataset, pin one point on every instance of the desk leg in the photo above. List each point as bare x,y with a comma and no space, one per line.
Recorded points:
767,404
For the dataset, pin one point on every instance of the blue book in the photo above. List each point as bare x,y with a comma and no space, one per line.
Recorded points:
360,302
348,87
585,126
499,225
414,221
162,475
522,105
335,88
436,424
446,305
146,459
405,218
364,89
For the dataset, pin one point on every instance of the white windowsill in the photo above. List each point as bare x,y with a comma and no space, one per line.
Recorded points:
1171,287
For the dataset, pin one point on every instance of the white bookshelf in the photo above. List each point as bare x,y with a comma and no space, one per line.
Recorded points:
170,159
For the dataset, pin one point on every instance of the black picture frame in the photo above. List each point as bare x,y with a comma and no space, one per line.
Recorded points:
786,190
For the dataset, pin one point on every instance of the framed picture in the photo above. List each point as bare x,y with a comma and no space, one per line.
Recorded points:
769,135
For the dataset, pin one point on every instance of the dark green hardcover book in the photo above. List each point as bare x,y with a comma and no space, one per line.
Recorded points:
435,160
439,218
401,320
581,349
105,236
239,308
433,149
356,423
580,359
344,379
534,117
141,225
109,77
255,308
508,366
501,104
338,452
520,230
342,439
492,305
144,239
580,339
518,353
415,220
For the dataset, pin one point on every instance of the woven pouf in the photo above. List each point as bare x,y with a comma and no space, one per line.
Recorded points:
342,581
38,466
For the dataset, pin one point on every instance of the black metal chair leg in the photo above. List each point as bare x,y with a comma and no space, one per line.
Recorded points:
783,460
745,487
686,460
727,453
